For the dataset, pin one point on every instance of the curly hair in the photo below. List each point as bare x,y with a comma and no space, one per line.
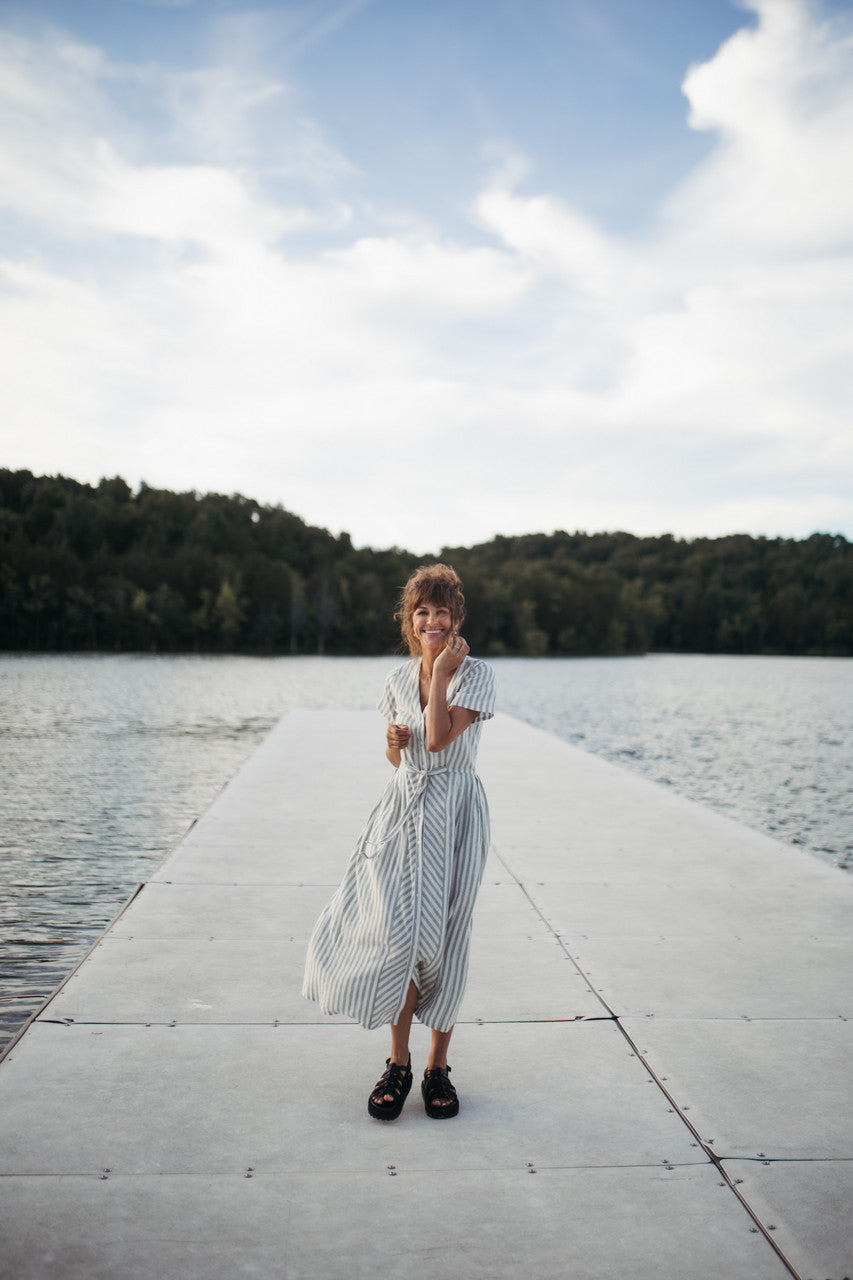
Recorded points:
435,584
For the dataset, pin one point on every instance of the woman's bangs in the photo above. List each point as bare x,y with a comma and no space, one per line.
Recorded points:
440,594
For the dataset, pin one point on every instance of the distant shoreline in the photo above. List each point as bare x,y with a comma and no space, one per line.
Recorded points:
103,569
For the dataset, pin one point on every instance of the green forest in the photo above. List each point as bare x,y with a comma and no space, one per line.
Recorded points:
100,567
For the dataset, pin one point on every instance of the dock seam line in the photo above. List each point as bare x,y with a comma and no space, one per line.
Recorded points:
713,1157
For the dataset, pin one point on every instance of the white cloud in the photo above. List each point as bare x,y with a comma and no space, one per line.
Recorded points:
780,99
70,160
694,377
198,204
736,313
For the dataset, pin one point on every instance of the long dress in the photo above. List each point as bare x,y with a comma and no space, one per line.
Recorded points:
403,910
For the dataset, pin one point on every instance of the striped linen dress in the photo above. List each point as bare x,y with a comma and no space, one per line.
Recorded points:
403,910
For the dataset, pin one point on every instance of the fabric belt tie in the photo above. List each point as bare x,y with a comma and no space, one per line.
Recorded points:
421,777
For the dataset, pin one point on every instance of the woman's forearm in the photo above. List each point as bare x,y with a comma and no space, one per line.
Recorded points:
439,725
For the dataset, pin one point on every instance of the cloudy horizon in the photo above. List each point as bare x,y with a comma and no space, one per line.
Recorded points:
428,276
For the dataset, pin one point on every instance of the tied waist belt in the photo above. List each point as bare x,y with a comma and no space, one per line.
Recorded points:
421,777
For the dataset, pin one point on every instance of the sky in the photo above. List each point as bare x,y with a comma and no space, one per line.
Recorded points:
426,272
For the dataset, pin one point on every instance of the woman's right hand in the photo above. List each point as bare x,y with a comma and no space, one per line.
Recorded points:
398,736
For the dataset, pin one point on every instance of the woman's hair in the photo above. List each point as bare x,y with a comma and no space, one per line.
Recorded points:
435,584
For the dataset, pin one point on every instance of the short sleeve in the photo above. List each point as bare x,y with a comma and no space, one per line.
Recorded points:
387,704
476,690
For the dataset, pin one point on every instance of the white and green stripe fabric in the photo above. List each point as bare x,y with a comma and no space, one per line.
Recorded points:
403,910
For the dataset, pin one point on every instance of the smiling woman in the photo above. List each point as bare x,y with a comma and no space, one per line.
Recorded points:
393,942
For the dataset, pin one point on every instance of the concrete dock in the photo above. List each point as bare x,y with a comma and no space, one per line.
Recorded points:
653,1059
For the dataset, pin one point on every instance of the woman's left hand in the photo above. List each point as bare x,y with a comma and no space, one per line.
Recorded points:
452,655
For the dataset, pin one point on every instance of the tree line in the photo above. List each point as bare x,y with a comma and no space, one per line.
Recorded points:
101,567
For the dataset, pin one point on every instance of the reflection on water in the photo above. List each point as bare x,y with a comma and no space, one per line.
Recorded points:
105,761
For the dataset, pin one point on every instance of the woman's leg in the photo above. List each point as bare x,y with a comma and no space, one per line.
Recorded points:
438,1049
398,1076
400,1039
438,1059
401,1028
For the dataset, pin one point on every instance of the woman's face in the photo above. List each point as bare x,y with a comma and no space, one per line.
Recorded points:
433,627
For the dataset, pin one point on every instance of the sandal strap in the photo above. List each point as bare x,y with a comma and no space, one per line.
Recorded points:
393,1080
437,1085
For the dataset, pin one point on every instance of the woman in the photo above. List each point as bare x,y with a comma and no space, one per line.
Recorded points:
393,942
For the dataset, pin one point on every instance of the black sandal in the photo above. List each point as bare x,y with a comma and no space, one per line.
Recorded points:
396,1081
436,1087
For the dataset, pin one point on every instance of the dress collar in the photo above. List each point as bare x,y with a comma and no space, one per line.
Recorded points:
454,679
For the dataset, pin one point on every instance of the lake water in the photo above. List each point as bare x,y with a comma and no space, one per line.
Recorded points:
106,760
